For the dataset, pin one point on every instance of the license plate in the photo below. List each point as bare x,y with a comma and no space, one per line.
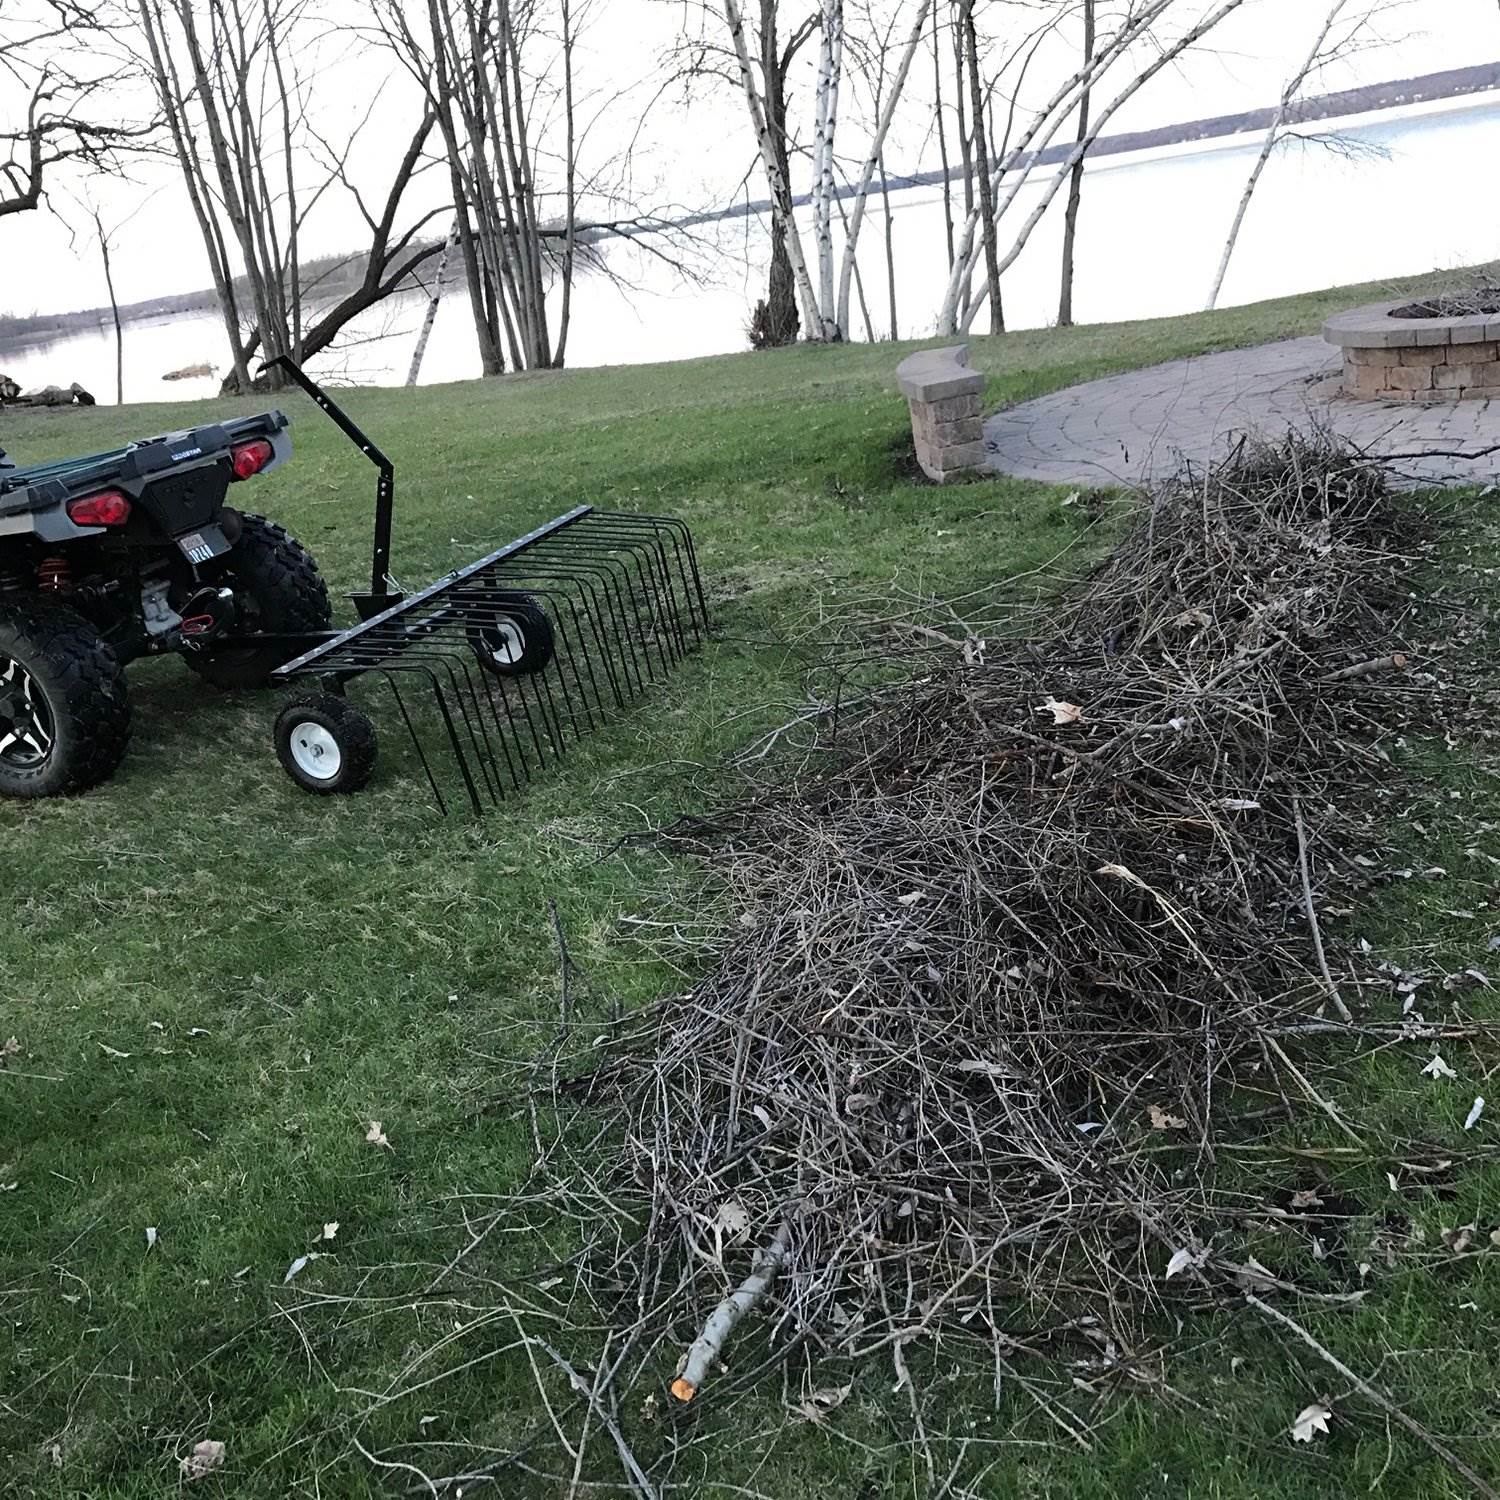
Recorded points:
199,546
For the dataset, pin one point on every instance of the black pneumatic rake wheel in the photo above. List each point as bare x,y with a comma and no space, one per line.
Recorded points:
277,587
64,715
325,744
517,641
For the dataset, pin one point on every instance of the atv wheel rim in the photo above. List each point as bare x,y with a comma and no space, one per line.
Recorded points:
507,643
315,751
26,725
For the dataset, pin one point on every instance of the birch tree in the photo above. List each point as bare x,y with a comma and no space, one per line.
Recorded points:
824,307
1332,40
954,316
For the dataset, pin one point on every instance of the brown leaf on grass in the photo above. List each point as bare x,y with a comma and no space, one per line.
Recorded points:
9,1048
1062,712
1306,1198
1161,1120
815,1407
376,1136
205,1459
1458,1240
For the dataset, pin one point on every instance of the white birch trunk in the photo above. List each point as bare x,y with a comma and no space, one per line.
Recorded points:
432,306
830,68
1168,55
1273,134
1045,124
780,188
867,175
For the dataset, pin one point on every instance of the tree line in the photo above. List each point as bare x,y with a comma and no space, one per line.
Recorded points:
511,159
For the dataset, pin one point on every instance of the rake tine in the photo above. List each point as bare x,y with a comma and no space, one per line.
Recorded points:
389,674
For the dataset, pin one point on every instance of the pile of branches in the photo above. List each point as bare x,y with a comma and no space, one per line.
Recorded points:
1016,935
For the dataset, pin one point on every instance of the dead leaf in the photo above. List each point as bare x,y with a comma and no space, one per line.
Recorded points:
911,898
1306,1198
151,1236
1475,1110
207,1457
8,1049
732,1223
815,1407
1161,1120
1458,1240
1062,713
330,1230
1437,1068
298,1266
1311,1419
376,1136
112,1051
1185,1259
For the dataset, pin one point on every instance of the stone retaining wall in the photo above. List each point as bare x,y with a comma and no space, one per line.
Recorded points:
1416,359
944,395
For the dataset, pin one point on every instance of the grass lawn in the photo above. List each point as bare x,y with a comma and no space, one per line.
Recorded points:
216,981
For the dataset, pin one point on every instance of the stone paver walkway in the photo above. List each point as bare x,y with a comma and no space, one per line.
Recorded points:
1125,428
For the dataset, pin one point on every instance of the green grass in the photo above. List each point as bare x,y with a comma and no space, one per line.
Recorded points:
281,970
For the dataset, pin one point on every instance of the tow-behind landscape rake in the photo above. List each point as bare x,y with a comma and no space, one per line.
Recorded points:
519,652
139,552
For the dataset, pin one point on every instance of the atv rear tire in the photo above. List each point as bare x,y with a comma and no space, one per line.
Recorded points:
64,715
277,587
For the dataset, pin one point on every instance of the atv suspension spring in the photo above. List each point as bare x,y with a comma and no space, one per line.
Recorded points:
54,575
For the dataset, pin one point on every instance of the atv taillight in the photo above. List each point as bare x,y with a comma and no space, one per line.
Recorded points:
250,458
108,509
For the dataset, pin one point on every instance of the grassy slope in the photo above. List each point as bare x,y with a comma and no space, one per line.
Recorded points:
358,959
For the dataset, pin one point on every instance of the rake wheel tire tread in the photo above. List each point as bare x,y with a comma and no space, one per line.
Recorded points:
352,730
84,685
539,642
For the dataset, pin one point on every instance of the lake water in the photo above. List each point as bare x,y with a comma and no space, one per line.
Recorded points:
1149,239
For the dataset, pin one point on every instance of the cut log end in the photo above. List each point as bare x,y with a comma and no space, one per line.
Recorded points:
684,1390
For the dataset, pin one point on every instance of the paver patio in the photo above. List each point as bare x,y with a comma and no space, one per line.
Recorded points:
1124,428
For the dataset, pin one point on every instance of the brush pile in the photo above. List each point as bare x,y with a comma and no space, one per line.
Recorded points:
1013,941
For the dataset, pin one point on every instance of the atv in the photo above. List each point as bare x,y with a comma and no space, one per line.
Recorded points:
138,553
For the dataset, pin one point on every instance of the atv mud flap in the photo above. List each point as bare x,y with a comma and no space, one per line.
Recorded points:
497,668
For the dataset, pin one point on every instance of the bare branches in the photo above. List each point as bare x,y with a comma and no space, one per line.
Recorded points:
60,57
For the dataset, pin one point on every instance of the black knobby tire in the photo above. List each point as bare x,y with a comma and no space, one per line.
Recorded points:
277,587
325,744
63,701
516,640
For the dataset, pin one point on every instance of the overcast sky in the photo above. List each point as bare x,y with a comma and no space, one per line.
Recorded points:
692,157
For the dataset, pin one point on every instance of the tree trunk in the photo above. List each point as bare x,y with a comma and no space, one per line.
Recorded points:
783,323
982,161
1075,186
114,308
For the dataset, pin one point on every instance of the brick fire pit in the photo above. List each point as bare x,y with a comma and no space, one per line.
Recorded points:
1419,351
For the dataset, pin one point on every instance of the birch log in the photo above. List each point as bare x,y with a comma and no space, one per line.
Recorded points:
709,1345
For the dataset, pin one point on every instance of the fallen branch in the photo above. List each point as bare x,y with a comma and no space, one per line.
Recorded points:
1363,1386
709,1345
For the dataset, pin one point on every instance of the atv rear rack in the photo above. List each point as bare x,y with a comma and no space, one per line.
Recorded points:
522,651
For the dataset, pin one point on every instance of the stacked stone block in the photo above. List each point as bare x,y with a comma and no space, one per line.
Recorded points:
943,394
1417,359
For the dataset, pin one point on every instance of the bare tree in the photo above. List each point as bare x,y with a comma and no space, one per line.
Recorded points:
1075,183
1332,41
59,72
234,79
955,316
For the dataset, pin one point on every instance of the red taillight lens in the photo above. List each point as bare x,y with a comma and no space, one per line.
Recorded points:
109,509
250,458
